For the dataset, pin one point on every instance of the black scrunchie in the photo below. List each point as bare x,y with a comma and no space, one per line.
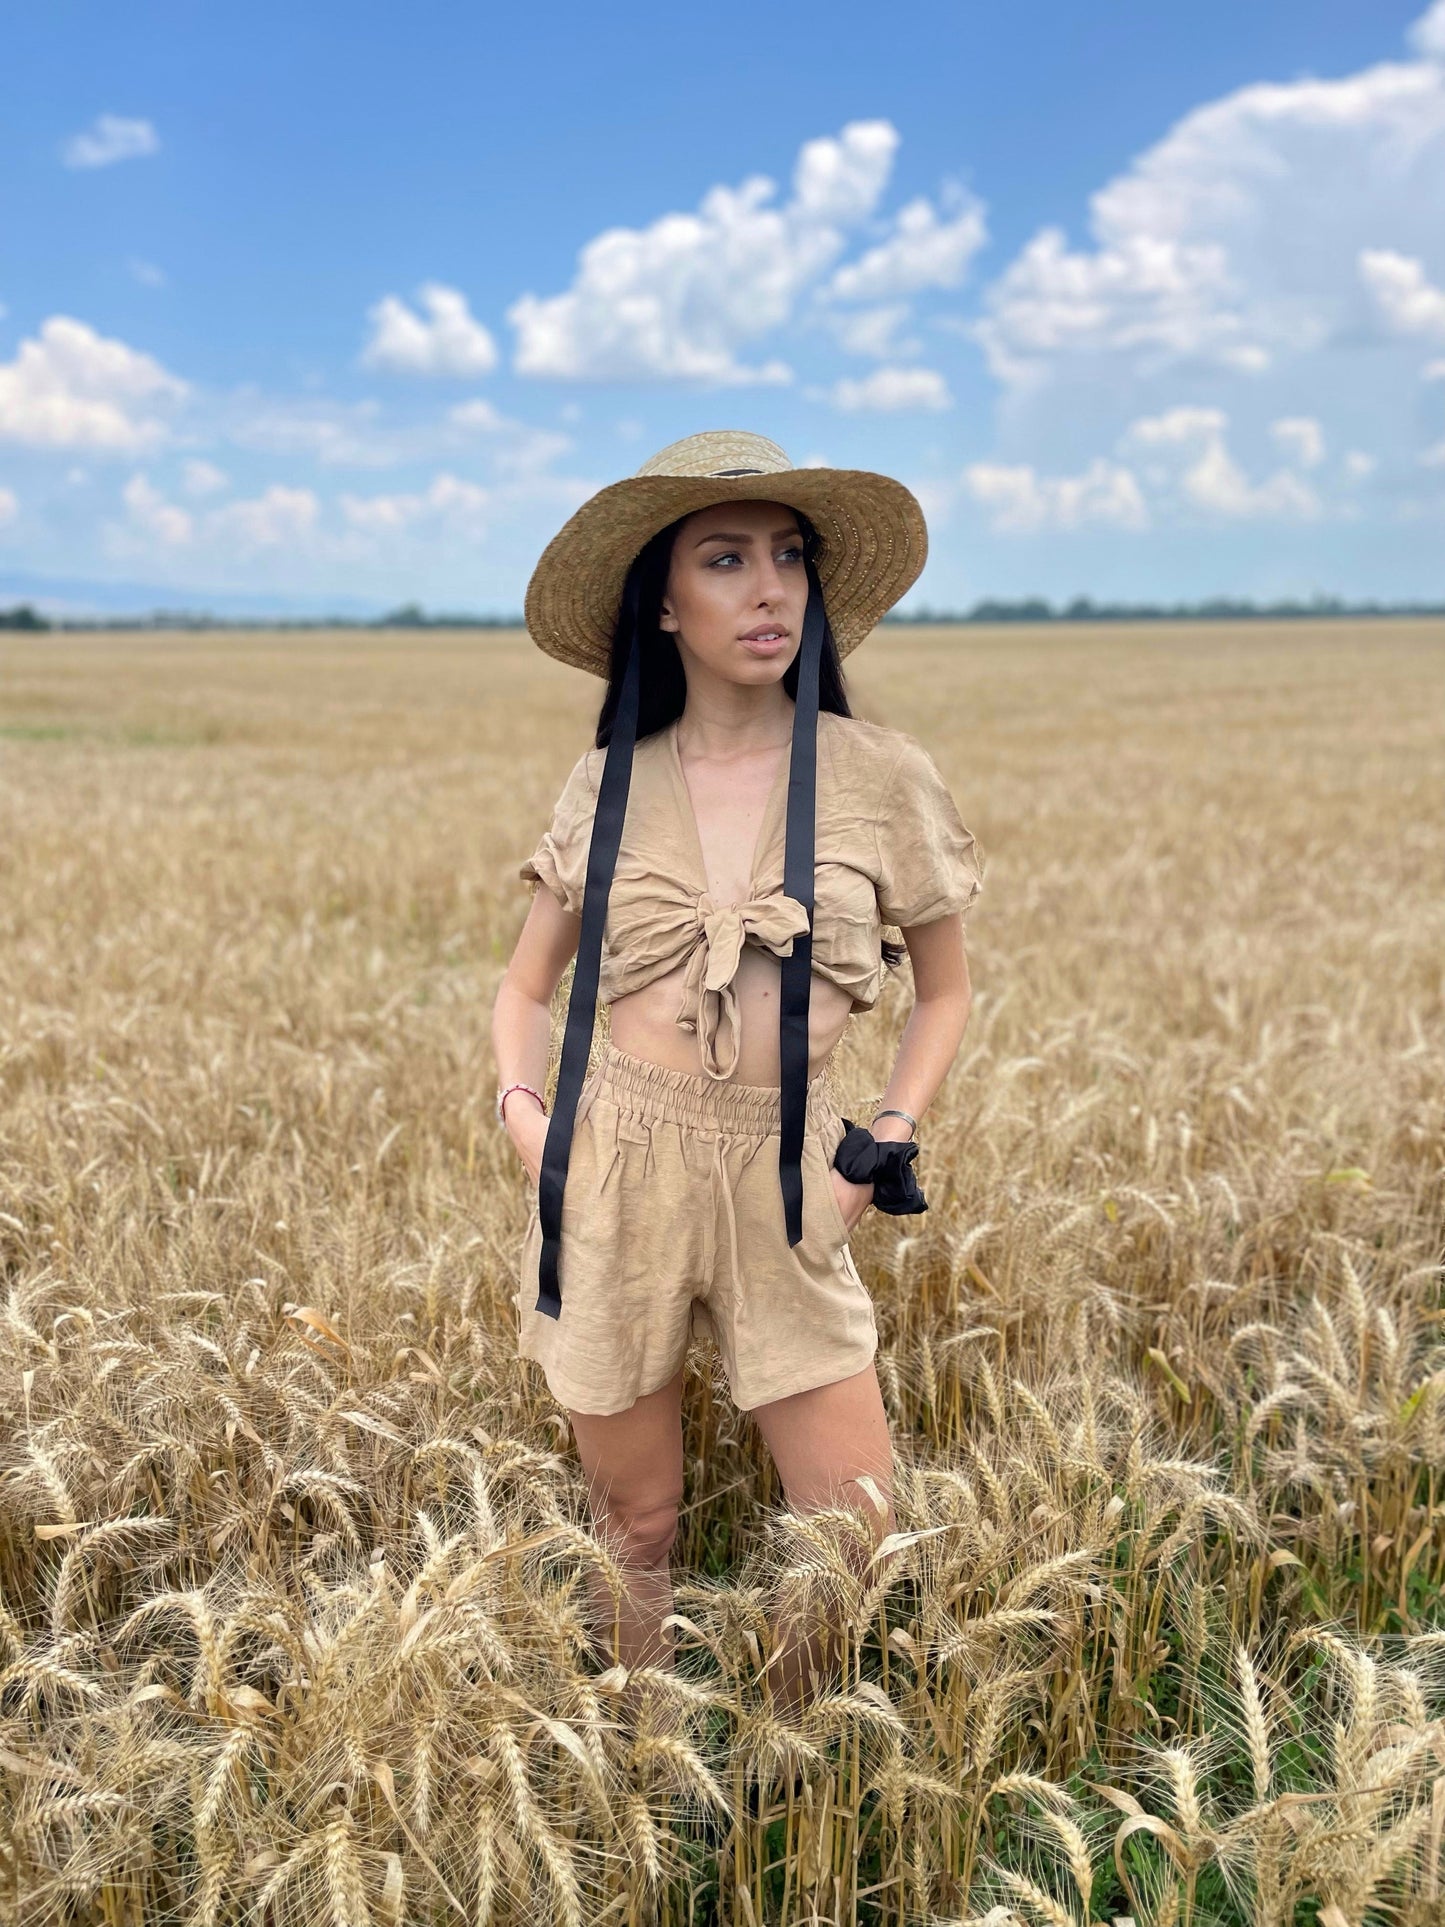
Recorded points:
886,1164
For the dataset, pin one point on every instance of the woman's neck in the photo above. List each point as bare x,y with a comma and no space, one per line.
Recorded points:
719,735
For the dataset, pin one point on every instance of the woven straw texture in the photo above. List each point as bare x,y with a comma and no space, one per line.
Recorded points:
874,541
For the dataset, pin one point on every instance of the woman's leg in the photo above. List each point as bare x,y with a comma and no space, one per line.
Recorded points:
633,1462
821,1440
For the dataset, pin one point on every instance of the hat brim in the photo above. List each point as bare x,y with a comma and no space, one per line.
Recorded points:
874,543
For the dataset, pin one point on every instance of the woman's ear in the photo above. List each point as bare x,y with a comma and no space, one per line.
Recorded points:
667,620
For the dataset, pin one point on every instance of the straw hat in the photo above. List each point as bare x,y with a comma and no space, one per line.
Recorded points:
874,541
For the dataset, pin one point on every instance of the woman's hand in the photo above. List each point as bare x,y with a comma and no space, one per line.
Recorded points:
853,1199
527,1128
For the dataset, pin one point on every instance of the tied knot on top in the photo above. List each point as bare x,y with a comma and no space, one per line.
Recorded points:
886,1164
709,997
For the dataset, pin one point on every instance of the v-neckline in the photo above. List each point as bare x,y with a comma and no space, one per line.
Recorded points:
765,827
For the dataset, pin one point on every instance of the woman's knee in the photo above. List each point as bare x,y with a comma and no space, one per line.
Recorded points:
634,1466
642,1531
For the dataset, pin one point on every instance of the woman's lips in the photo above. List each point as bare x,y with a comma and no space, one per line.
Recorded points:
759,647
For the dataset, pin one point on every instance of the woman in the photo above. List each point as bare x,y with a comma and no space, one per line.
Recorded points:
739,838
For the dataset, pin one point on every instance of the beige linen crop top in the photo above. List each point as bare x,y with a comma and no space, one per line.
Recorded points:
889,849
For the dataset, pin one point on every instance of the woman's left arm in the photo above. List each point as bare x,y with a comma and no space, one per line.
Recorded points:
942,997
929,1043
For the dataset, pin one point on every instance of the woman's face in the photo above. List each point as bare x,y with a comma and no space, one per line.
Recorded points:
737,570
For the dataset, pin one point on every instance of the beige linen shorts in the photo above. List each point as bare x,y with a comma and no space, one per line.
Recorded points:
672,1229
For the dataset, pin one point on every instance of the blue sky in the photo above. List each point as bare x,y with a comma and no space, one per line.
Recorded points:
338,307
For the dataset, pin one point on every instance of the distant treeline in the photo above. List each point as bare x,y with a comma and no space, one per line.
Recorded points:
1214,609
1028,609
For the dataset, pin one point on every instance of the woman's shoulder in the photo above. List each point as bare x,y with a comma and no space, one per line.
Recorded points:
864,750
865,735
585,776
857,733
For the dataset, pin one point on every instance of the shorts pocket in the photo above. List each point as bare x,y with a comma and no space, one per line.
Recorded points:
830,1192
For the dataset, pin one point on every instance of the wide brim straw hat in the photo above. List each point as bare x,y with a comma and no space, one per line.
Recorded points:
873,538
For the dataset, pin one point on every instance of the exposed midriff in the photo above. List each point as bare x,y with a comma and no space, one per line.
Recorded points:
644,1022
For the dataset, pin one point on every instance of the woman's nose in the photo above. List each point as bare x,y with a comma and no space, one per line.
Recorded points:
770,586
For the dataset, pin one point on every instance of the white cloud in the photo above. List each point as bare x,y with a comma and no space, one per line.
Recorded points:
874,331
1427,34
110,138
74,388
279,517
300,540
361,434
1433,371
840,179
151,514
449,500
1159,300
516,447
1023,501
680,300
450,341
1177,425
1217,483
888,390
1358,464
204,478
921,252
1187,264
1301,437
336,434
479,417
1212,480
1407,299
9,506
147,273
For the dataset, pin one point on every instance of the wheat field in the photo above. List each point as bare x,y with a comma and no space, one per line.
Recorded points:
294,1550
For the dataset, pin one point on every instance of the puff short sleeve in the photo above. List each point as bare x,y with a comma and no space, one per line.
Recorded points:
928,862
560,859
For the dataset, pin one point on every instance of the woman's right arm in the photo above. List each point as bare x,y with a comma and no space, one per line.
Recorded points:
522,1019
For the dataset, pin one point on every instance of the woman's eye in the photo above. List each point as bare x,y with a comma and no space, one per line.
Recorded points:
731,555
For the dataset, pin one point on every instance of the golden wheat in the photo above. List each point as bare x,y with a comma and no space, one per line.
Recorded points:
296,1567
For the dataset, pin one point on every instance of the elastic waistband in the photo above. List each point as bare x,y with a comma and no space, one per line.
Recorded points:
696,1099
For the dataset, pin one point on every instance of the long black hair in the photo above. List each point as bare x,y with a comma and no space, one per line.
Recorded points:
662,696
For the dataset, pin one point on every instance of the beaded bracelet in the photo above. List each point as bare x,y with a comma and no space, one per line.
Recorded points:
502,1097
